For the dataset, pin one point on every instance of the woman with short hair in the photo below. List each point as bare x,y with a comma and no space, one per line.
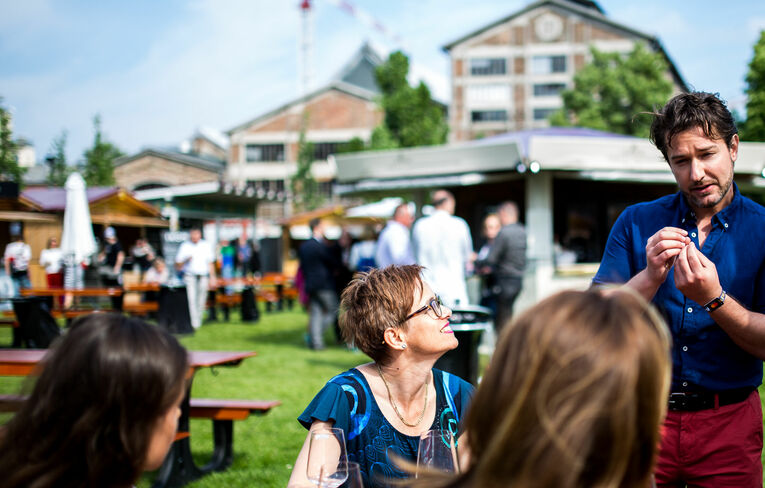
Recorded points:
574,397
104,409
383,406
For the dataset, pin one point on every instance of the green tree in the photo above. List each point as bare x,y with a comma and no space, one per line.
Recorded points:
412,118
99,159
754,127
59,170
9,164
613,90
305,189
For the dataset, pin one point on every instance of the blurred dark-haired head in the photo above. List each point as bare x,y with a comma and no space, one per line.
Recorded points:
89,421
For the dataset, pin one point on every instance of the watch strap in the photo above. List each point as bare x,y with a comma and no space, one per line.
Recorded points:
716,303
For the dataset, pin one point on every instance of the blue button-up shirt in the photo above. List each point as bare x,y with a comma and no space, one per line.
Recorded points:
703,355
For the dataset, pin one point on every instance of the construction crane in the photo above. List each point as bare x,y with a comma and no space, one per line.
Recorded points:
305,67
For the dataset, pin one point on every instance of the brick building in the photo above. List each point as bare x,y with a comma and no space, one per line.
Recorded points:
263,151
508,75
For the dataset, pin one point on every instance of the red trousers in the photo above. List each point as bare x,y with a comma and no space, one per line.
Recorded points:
714,448
56,280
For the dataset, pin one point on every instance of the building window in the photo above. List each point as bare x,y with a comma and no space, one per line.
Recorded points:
488,115
545,65
544,113
321,150
265,152
494,94
548,89
487,66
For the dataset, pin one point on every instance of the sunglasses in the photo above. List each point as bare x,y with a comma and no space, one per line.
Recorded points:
434,304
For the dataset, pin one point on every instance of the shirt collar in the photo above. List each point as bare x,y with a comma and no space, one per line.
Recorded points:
723,217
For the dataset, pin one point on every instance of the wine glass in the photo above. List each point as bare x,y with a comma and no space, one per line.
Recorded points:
354,476
437,451
327,459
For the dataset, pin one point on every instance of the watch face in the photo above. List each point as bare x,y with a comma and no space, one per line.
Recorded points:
548,27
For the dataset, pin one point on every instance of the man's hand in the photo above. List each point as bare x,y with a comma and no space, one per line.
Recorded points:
696,276
662,249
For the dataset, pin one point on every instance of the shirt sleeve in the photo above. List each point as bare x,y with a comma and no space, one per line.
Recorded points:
329,405
182,253
615,267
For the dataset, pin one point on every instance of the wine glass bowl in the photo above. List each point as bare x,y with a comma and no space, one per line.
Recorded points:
437,452
327,465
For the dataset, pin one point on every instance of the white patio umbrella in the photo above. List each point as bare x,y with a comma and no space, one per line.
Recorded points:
77,239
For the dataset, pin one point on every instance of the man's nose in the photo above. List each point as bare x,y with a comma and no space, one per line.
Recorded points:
697,170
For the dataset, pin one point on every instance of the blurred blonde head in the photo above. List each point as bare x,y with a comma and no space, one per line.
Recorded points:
574,396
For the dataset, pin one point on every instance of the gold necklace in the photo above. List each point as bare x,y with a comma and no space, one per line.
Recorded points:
395,408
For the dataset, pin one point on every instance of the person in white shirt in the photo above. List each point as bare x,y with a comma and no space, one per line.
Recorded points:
443,245
16,258
52,259
394,245
197,261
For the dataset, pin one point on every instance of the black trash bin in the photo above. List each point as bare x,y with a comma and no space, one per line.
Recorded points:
468,323
37,328
173,313
250,311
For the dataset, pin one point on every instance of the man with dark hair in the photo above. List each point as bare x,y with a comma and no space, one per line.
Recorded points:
698,256
507,259
318,264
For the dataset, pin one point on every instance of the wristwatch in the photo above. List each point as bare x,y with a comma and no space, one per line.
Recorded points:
716,303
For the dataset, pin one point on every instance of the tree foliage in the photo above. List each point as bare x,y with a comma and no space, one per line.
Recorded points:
59,170
305,189
99,159
613,90
9,164
412,118
754,127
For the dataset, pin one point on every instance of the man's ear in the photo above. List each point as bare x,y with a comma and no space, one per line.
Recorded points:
733,148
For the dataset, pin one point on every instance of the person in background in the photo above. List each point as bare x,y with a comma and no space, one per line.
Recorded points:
110,259
197,261
247,258
444,247
226,259
489,291
319,263
16,258
103,409
362,256
574,397
507,260
158,273
52,259
394,245
396,319
143,254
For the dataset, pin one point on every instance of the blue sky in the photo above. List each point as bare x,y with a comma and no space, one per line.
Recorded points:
158,70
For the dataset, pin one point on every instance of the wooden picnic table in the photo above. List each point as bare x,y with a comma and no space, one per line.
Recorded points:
179,467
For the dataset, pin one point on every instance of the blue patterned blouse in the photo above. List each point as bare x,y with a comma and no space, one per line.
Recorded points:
347,400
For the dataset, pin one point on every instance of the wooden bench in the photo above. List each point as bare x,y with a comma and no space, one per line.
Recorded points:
221,412
140,308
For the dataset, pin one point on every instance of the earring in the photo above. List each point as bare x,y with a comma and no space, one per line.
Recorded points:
403,346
